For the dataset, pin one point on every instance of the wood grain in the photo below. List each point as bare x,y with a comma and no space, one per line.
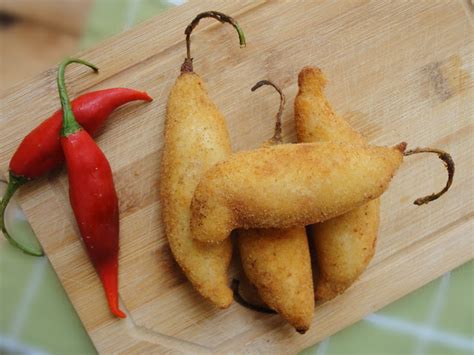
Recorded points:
398,70
29,48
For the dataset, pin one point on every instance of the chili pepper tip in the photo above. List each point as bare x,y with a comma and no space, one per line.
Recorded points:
118,313
146,97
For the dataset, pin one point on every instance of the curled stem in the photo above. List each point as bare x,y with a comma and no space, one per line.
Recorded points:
239,299
276,139
13,184
449,164
219,16
70,124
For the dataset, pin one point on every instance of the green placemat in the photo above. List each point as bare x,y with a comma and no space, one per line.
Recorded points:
37,317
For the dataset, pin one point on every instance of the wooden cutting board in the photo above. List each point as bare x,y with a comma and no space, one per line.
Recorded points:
397,70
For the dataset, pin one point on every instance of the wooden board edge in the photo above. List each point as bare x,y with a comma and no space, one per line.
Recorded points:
426,252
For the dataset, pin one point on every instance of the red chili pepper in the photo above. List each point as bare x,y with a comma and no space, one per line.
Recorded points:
92,195
40,151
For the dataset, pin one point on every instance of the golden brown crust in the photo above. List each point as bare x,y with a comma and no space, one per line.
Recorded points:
345,244
287,287
278,263
344,247
315,182
196,138
315,119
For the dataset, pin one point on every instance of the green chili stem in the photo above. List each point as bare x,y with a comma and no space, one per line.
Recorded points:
276,139
219,16
13,184
70,124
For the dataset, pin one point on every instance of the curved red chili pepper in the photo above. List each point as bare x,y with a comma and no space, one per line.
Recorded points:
40,151
92,195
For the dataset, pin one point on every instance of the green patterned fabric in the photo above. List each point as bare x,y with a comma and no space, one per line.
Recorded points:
37,317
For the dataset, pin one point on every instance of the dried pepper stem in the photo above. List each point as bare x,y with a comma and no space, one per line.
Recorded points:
219,16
